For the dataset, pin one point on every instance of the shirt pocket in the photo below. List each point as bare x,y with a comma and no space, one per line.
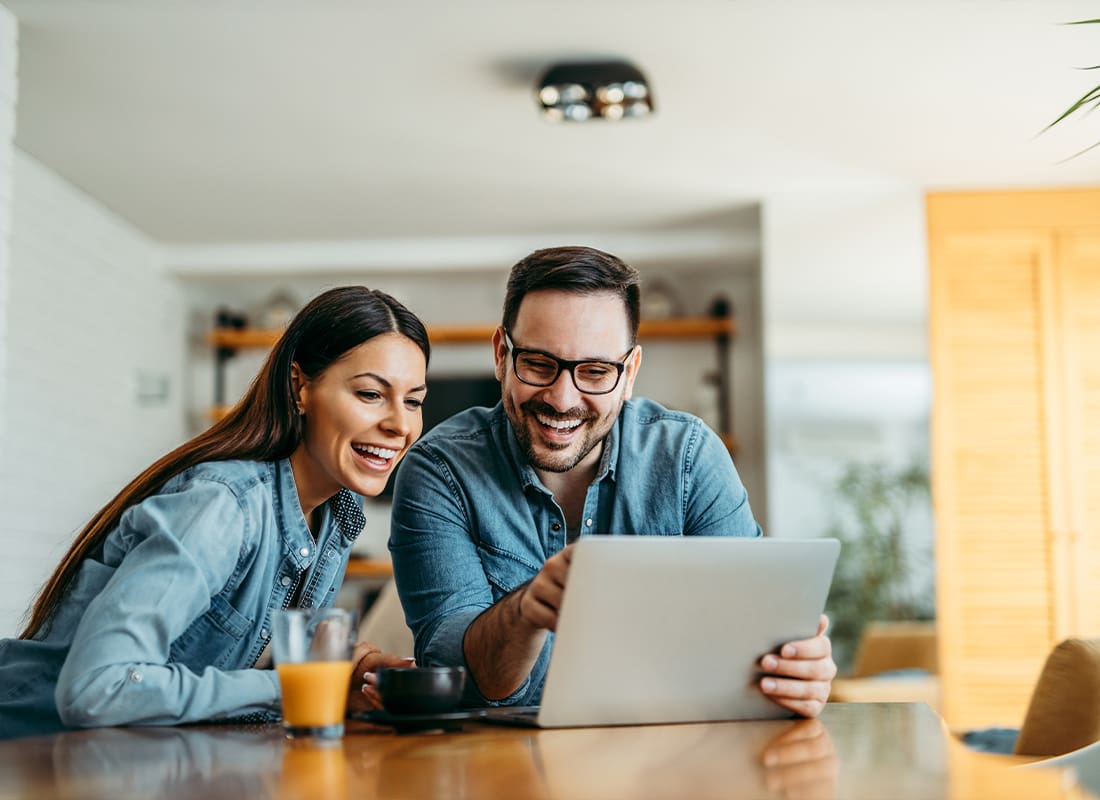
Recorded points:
212,638
506,571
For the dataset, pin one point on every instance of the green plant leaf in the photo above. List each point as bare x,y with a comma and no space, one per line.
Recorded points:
1080,152
1091,96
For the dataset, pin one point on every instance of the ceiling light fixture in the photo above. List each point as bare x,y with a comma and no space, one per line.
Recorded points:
583,90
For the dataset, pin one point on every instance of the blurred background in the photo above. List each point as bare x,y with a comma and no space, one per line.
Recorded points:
168,168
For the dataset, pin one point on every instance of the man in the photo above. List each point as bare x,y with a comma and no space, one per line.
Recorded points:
487,504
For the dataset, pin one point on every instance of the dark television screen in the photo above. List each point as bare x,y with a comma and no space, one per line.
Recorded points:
449,394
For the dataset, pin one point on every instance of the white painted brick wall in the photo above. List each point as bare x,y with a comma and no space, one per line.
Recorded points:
89,309
8,92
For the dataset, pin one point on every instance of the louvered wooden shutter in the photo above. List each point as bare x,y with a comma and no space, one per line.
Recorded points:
989,473
1015,350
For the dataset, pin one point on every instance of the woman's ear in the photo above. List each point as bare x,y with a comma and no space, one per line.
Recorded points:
299,385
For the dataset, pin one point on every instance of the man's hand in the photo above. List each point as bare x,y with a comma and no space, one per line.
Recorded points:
503,643
800,677
540,603
368,660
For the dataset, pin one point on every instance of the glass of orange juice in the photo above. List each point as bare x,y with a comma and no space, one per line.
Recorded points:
312,648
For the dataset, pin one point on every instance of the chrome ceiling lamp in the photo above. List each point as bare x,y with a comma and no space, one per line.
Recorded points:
582,90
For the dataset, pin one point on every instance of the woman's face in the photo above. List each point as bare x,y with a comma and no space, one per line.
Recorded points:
360,416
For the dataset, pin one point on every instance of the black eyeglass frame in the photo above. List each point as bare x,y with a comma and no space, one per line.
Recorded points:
569,366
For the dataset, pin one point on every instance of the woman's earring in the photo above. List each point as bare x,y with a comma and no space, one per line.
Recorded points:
301,409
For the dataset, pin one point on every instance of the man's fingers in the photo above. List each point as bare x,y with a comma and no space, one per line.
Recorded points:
805,708
540,600
538,610
794,688
801,696
818,669
557,568
815,647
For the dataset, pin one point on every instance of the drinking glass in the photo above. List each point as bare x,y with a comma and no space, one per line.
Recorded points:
312,648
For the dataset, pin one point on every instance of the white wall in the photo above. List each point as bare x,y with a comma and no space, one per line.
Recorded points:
845,274
845,336
848,383
94,362
8,92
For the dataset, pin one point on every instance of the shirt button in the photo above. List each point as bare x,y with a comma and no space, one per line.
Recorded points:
588,523
556,526
285,580
136,676
304,551
264,633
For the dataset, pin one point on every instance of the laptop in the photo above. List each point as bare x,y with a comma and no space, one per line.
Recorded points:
657,629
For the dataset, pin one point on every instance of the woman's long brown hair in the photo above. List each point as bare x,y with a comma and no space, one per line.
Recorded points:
263,426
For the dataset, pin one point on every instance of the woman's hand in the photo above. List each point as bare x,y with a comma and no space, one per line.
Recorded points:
368,660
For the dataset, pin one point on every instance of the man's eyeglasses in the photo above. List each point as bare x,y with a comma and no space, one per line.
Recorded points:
536,368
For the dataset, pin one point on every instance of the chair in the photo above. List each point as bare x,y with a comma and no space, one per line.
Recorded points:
1064,711
889,646
384,624
894,662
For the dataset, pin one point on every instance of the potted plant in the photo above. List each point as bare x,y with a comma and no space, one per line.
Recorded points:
884,573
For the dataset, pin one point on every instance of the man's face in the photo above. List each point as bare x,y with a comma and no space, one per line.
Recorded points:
558,426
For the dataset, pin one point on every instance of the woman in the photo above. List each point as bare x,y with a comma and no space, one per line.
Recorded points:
162,608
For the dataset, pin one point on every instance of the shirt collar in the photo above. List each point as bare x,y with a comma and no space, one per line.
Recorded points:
347,511
344,510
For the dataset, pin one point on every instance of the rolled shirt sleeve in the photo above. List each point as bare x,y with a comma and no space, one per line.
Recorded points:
181,549
439,572
715,499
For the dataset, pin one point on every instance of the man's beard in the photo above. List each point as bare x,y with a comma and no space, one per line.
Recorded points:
563,457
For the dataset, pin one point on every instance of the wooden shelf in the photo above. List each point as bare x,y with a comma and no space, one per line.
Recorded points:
227,341
677,328
369,568
215,413
687,328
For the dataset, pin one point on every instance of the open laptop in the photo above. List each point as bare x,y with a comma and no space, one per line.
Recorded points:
658,629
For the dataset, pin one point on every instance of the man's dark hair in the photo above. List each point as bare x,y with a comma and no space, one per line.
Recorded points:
583,270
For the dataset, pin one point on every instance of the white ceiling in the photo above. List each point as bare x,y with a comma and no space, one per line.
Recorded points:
206,121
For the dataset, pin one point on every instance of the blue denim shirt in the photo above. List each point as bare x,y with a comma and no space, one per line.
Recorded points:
472,521
163,623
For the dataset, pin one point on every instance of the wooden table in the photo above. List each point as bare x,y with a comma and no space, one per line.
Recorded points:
855,750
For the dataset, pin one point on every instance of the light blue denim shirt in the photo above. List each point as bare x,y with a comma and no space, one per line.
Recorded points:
163,623
472,521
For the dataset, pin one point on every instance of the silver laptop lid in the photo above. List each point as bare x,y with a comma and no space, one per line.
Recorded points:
669,629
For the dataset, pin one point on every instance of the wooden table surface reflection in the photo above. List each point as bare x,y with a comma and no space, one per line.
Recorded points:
854,750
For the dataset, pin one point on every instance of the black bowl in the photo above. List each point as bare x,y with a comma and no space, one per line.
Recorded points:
421,690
